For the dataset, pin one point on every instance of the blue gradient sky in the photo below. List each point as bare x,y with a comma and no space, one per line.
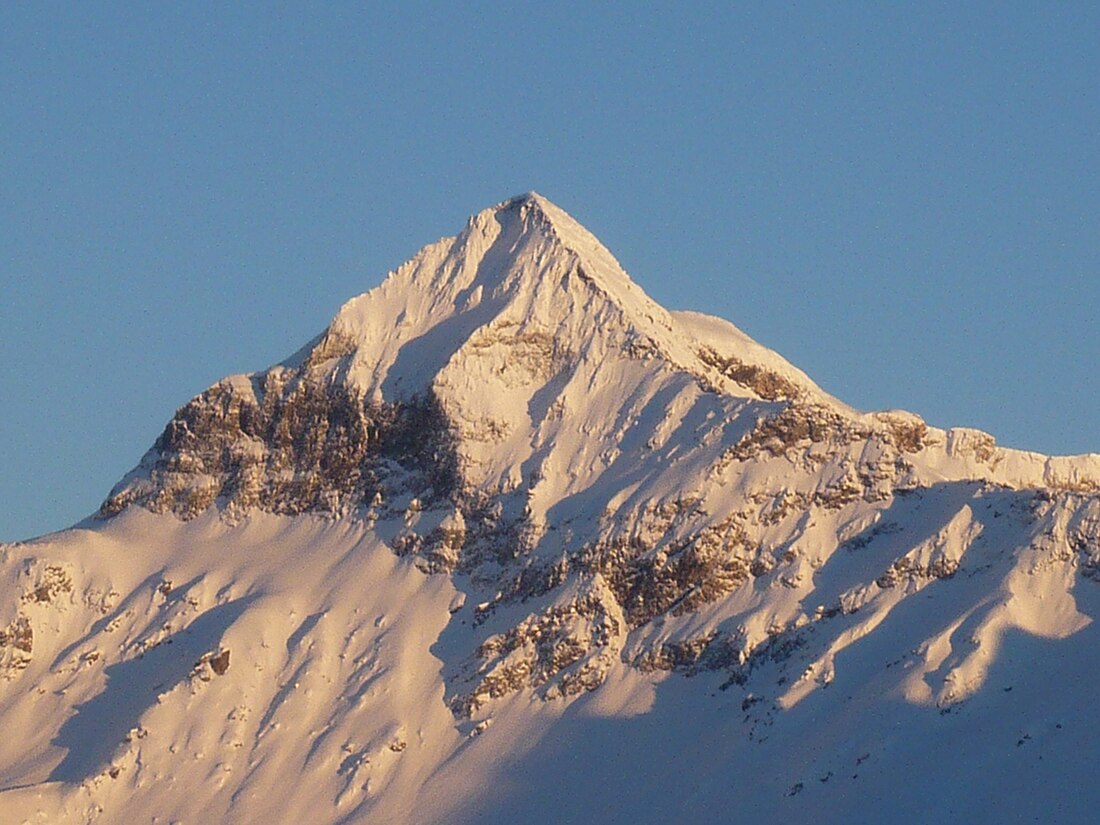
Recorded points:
904,201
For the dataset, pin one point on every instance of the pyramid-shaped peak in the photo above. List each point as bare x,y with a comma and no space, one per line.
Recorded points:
542,211
531,199
528,266
534,215
532,203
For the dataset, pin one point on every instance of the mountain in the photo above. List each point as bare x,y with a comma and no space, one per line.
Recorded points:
509,541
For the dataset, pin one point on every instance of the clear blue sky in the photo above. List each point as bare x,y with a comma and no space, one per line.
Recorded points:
903,199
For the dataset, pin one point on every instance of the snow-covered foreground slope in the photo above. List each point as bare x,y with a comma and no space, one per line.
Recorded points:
511,542
266,671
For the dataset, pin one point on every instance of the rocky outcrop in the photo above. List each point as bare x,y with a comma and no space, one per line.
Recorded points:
768,384
286,443
45,586
566,649
16,646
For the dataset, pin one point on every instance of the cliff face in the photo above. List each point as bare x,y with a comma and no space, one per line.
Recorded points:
506,476
287,444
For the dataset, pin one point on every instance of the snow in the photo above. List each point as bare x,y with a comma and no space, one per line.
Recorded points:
315,613
915,641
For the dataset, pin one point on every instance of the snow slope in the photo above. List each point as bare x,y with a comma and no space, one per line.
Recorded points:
510,542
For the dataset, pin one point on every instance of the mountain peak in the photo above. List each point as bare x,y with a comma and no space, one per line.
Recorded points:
519,355
532,201
487,338
530,197
503,482
524,264
534,213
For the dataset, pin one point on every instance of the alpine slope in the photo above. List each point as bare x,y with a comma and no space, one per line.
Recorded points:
510,542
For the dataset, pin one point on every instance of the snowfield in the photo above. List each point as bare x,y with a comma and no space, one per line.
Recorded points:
509,542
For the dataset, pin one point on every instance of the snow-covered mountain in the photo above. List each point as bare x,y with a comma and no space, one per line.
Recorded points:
456,560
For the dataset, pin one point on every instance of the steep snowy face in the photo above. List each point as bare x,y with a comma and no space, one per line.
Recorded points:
523,269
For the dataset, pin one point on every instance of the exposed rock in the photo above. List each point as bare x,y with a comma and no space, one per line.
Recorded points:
765,383
220,663
568,648
210,665
297,447
52,581
16,646
794,426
